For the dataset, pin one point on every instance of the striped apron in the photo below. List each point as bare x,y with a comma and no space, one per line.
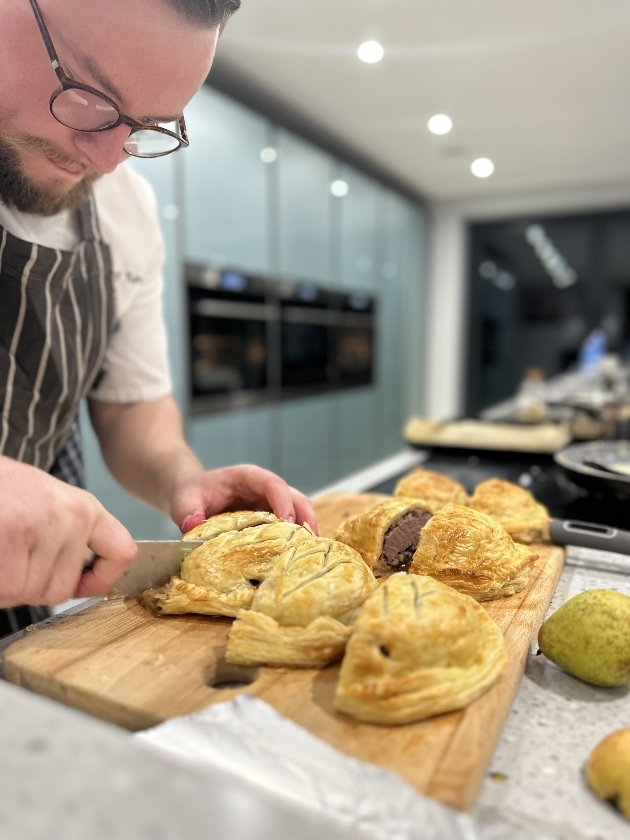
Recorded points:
56,317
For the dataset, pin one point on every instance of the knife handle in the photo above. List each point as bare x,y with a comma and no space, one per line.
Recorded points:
589,535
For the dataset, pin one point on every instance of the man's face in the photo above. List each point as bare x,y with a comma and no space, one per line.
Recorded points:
140,53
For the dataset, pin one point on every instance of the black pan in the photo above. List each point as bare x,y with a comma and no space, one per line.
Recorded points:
599,464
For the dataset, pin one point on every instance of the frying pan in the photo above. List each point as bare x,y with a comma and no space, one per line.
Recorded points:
599,464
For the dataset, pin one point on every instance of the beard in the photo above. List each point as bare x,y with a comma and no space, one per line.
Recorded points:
18,192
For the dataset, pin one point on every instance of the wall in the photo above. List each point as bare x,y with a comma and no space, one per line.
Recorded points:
281,219
447,286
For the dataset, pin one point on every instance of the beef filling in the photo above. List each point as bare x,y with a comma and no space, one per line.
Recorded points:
401,540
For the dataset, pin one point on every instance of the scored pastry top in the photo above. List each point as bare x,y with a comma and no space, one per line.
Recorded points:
525,519
472,553
418,648
232,521
434,488
222,576
384,534
314,578
240,557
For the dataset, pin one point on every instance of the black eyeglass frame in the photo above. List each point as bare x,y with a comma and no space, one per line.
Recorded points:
69,84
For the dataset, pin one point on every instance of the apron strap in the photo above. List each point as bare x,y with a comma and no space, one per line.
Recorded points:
89,224
69,465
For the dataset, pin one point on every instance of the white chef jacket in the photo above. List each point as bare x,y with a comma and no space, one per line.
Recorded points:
136,363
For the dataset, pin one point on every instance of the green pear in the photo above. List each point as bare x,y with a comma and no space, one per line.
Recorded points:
589,637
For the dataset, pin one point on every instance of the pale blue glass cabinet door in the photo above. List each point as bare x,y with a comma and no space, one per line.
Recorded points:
304,428
226,184
304,204
396,318
360,231
357,419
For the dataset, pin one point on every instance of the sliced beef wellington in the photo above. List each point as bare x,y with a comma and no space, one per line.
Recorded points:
386,536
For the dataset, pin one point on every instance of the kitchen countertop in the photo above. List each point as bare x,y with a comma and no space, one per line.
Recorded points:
535,778
64,774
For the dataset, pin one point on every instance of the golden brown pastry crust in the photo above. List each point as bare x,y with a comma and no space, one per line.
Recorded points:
315,580
222,576
608,770
434,488
232,521
472,553
418,649
257,639
366,532
525,519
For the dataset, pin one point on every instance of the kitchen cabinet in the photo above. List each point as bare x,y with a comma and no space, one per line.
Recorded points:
304,447
233,438
225,184
304,175
355,431
361,217
401,321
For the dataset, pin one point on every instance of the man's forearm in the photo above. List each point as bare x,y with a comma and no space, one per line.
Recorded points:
144,448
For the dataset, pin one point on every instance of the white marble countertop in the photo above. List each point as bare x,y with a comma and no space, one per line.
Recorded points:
535,778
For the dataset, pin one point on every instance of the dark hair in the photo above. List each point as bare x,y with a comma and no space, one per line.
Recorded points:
208,13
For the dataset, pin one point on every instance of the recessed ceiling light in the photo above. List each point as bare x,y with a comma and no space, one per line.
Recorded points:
339,188
440,124
482,167
269,155
370,52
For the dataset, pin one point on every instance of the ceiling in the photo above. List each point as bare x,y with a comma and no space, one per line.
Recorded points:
541,87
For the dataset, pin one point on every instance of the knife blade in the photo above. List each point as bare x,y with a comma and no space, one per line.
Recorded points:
154,565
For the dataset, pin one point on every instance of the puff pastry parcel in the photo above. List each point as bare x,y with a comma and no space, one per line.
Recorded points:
434,488
418,648
472,553
525,519
222,576
236,520
387,535
302,613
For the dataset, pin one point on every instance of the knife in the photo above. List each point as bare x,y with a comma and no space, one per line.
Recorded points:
154,565
589,535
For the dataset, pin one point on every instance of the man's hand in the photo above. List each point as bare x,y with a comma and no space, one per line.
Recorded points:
244,487
144,447
45,526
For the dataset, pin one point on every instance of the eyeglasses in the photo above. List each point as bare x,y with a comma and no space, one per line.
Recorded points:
84,108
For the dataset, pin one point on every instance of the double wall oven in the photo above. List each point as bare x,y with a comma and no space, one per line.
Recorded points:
254,340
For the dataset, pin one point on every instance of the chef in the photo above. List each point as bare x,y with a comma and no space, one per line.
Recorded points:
84,84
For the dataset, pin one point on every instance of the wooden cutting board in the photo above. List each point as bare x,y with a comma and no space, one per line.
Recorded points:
119,662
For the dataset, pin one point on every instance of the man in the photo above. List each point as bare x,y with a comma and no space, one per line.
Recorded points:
83,85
